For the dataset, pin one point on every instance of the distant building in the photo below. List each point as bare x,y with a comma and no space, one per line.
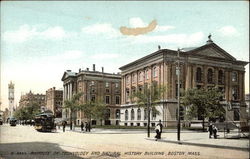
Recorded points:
95,86
54,101
201,67
11,98
32,98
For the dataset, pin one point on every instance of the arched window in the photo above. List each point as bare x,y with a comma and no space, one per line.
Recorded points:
126,114
198,75
139,114
221,77
117,114
145,114
132,114
210,76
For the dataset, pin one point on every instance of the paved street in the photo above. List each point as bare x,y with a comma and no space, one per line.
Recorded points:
24,142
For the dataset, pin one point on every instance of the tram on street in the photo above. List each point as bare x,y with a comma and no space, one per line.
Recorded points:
44,122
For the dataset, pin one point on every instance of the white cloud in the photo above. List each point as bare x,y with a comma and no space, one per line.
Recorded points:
136,22
228,31
27,32
179,39
163,28
105,56
104,28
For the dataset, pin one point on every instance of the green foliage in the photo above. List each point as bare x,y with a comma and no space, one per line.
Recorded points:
28,112
204,101
152,94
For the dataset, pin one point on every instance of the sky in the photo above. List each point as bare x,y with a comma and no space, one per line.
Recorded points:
42,39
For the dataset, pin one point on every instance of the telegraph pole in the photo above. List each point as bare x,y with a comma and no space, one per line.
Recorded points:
178,80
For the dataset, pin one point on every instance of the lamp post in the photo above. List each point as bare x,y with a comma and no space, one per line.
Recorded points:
178,92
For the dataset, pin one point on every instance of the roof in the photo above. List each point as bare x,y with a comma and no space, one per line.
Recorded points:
218,53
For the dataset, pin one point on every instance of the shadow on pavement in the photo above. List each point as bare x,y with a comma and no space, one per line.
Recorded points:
38,150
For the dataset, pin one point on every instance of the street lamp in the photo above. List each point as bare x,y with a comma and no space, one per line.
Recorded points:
178,80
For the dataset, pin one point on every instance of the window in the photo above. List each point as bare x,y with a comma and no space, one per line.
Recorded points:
107,114
235,93
107,90
140,88
140,76
126,114
92,83
132,114
221,77
210,76
234,77
93,98
127,79
153,114
198,75
155,72
116,85
139,114
117,114
127,94
145,114
107,99
133,78
107,84
117,99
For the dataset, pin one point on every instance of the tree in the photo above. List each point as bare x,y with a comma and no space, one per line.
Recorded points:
27,112
148,97
73,105
204,103
93,110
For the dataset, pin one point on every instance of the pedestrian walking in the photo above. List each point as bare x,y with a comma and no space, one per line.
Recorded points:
210,130
157,130
82,126
215,130
160,130
86,126
64,125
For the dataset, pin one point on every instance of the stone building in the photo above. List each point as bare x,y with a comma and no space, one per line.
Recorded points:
54,101
205,66
32,98
95,86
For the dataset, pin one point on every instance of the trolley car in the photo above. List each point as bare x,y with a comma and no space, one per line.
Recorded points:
44,122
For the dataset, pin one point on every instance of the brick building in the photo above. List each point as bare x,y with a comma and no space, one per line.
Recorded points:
54,101
31,97
205,66
95,86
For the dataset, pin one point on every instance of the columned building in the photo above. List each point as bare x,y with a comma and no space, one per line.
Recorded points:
201,67
54,101
95,86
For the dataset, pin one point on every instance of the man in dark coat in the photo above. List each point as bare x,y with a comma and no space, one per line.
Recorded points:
160,125
82,126
64,125
210,130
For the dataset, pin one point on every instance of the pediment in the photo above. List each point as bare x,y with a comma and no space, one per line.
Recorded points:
214,51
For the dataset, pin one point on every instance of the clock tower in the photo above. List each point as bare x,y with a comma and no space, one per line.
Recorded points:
11,99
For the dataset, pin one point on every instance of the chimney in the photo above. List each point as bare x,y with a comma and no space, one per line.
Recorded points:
87,69
94,67
102,69
79,69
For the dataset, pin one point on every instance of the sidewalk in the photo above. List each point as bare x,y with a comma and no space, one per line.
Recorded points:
202,139
187,137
